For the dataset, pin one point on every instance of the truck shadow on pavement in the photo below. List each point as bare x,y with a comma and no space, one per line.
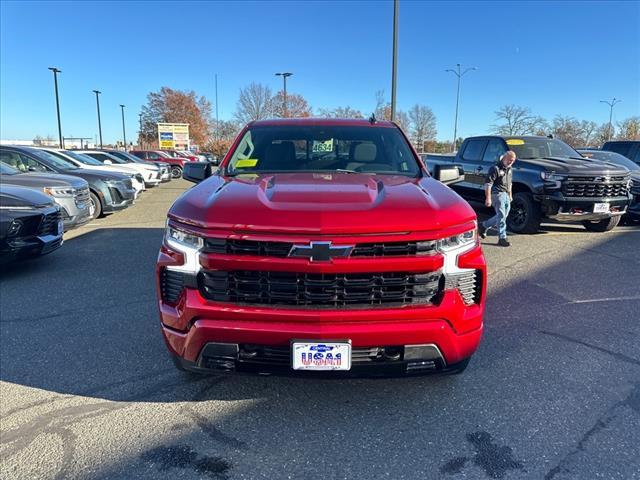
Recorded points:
83,322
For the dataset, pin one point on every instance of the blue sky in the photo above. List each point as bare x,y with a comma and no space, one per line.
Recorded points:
554,57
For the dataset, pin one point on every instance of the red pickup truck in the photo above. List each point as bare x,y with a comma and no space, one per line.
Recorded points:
321,247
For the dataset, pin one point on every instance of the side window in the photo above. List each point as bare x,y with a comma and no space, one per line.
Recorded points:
13,160
621,148
473,150
29,164
152,156
495,148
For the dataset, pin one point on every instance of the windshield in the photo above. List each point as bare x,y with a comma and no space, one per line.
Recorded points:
85,159
127,157
529,148
372,150
8,170
164,154
611,157
53,160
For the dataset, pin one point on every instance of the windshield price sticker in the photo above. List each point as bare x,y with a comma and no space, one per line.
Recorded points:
321,356
322,147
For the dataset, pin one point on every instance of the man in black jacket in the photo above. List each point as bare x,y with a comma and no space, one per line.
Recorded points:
497,189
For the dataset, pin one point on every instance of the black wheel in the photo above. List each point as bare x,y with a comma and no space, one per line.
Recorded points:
525,214
602,225
96,206
176,172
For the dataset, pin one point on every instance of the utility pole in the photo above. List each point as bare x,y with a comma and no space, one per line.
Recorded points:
97,92
284,76
611,104
55,83
217,119
394,66
459,75
140,130
124,133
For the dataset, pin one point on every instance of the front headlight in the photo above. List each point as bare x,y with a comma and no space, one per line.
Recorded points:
186,243
463,241
552,176
60,192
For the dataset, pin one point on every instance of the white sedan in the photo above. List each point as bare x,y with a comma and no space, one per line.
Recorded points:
89,163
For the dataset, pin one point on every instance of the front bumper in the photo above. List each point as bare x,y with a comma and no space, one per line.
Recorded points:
577,209
29,242
453,327
116,198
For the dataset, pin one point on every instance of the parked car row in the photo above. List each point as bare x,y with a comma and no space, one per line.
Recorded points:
550,180
47,191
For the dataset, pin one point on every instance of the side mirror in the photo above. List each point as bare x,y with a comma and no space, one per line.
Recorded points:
196,171
448,174
108,162
31,168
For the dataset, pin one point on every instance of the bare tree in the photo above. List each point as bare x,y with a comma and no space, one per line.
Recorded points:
383,108
403,120
423,125
254,103
340,112
568,130
515,120
601,135
629,129
297,106
588,133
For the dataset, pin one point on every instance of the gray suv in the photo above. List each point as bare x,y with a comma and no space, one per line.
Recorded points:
71,193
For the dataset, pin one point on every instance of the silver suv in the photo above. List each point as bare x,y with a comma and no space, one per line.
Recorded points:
71,193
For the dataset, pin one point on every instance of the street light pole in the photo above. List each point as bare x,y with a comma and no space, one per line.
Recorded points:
55,83
284,76
124,133
394,66
140,130
97,92
459,75
217,119
611,104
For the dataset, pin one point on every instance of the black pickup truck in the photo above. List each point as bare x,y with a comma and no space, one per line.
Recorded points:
550,179
627,148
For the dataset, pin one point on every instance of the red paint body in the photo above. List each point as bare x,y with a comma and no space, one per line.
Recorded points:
344,209
143,155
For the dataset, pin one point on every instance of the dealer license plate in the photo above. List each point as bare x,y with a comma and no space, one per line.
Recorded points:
321,356
601,208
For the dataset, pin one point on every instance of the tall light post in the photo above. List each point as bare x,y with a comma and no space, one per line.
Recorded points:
459,75
284,76
98,92
394,63
124,133
140,130
611,104
55,83
217,119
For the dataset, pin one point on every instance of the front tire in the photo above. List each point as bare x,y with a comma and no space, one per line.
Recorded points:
602,225
97,206
176,172
525,215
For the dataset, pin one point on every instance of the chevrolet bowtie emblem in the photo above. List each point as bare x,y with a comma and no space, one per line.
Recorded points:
320,251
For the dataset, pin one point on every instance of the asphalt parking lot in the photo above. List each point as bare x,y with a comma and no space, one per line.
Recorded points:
88,390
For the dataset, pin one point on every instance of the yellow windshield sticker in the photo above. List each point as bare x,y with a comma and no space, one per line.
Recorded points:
515,141
322,147
246,163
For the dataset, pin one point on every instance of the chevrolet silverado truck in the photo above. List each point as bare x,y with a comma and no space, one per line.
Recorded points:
550,179
321,247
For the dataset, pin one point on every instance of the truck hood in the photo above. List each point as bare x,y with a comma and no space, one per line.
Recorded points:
322,203
574,166
39,180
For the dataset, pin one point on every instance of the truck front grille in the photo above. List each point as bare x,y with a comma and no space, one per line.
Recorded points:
321,290
469,284
49,224
595,187
282,249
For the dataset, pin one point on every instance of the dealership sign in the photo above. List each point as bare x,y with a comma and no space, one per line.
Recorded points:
173,136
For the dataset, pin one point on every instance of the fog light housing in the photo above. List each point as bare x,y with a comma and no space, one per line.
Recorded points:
14,228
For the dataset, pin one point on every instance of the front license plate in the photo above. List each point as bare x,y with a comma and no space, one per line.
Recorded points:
321,356
601,208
